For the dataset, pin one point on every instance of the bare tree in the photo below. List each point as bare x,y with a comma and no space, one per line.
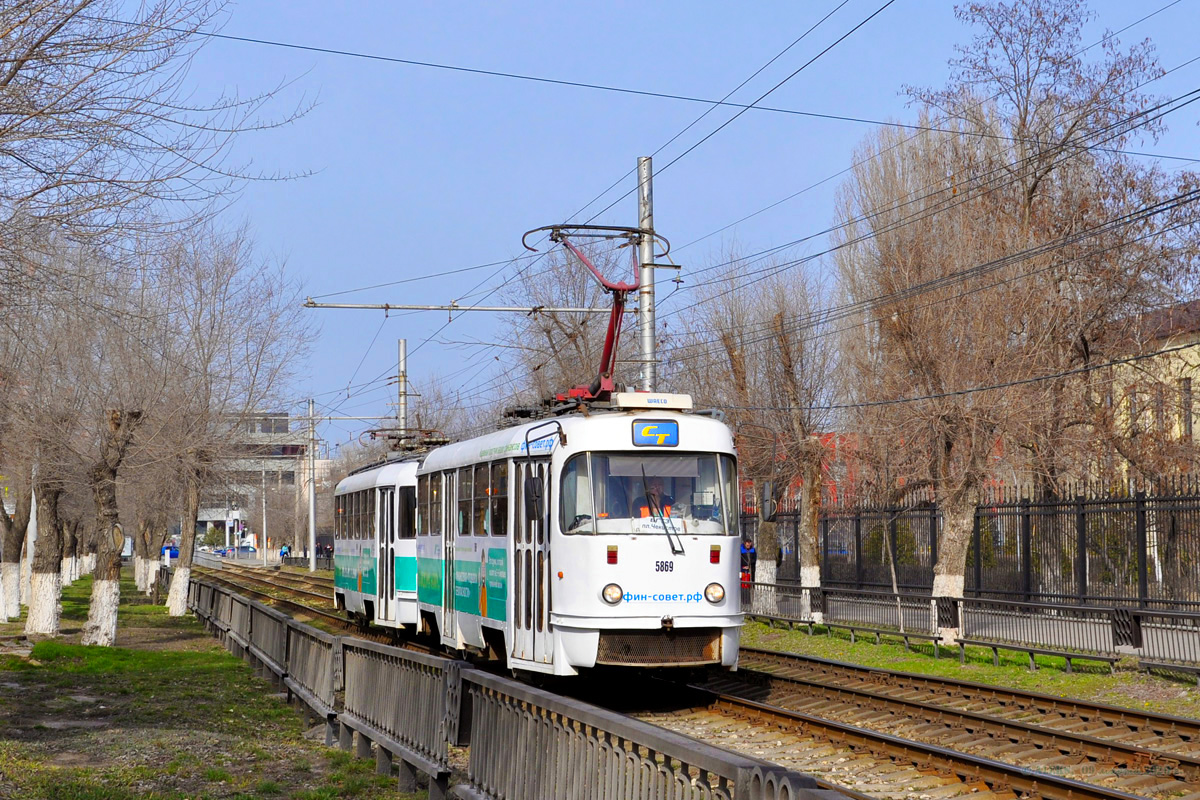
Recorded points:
13,532
1062,176
557,351
992,250
767,333
243,333
102,130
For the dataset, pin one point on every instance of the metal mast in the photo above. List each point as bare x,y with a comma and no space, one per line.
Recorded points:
646,289
312,486
402,388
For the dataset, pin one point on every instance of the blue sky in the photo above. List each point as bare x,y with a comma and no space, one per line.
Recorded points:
416,170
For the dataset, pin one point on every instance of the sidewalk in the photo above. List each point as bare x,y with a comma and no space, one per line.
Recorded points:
167,714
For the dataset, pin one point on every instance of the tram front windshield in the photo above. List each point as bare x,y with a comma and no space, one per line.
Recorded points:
681,493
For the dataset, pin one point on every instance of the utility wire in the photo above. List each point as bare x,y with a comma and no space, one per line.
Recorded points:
976,389
922,214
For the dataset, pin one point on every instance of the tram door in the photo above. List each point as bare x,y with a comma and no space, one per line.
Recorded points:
386,571
531,567
449,536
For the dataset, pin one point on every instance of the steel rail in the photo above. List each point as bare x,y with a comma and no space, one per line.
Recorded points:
1107,722
1050,744
971,769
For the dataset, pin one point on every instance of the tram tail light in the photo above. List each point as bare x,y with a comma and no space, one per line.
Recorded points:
612,554
714,554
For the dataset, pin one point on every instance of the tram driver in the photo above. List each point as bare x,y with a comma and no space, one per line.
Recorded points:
654,500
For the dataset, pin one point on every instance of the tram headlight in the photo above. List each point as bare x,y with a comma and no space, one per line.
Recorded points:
612,594
714,593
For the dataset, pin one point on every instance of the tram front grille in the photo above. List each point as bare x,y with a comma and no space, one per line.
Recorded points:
685,646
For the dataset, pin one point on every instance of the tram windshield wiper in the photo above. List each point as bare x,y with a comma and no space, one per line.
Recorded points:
668,525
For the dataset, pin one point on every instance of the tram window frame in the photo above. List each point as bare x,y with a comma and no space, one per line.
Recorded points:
578,468
422,510
499,498
729,486
409,530
358,515
352,515
437,499
371,516
481,502
466,480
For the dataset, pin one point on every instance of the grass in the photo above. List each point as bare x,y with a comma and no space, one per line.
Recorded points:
1090,680
171,715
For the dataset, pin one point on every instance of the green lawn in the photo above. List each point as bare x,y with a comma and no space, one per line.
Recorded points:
169,715
1090,681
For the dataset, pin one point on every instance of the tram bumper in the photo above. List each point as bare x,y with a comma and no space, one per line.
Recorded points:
648,641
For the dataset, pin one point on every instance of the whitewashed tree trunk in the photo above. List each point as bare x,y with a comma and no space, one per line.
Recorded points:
27,554
26,560
177,597
101,626
45,604
139,572
11,579
65,570
949,573
3,596
150,575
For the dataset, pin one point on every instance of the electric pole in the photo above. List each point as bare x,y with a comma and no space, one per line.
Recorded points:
263,543
312,486
402,388
646,274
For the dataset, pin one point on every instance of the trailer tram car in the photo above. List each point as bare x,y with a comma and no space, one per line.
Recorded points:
608,537
374,550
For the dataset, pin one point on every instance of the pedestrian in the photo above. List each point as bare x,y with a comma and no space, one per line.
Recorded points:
749,559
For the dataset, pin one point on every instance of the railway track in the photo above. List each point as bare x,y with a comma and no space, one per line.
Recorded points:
261,580
1075,756
866,762
247,582
1175,736
875,733
308,585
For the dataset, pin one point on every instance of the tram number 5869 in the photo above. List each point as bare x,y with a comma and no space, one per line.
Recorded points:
664,566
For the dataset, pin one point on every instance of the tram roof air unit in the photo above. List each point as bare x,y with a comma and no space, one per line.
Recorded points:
671,402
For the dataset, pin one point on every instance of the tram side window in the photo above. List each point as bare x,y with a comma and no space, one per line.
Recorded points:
435,504
500,498
423,505
482,494
370,514
358,515
577,497
338,518
465,482
406,503
732,503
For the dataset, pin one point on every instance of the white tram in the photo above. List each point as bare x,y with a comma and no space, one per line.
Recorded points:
602,538
374,546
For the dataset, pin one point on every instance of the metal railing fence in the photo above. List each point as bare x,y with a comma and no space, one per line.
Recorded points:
524,742
1157,638
1063,629
268,636
400,697
903,613
1093,548
1168,640
528,743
